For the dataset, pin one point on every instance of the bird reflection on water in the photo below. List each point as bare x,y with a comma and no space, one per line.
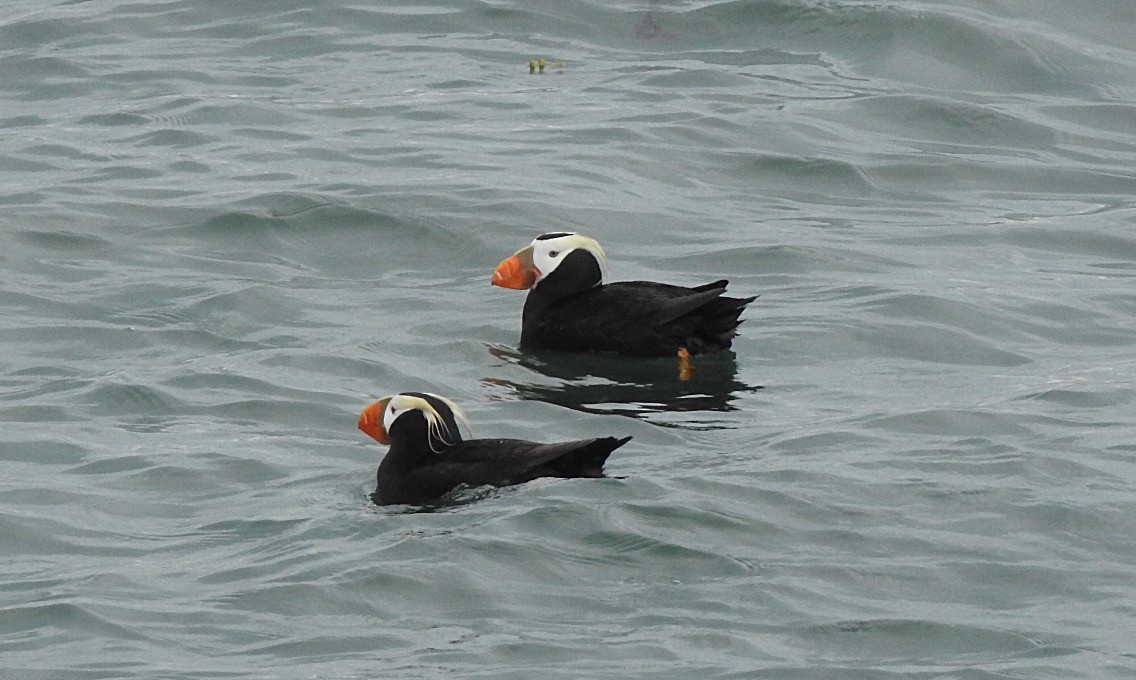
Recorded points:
610,384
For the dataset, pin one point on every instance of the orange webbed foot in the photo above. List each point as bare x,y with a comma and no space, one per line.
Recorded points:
685,368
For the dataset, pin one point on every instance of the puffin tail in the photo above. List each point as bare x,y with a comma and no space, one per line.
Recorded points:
588,459
719,324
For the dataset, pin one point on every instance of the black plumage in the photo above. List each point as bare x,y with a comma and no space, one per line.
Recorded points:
571,309
427,461
635,318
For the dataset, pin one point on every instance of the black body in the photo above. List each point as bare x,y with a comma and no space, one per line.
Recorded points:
419,469
568,311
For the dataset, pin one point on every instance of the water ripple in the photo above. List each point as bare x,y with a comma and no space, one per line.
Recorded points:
230,226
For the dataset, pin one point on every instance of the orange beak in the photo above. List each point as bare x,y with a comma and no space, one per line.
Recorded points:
517,271
371,420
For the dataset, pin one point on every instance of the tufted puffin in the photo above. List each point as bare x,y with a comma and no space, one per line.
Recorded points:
570,308
428,457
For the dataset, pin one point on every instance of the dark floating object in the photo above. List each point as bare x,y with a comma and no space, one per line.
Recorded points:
570,308
428,457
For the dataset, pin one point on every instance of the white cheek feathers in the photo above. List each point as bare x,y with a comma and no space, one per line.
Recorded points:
391,413
549,252
437,427
546,258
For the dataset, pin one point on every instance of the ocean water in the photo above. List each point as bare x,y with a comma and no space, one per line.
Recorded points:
227,226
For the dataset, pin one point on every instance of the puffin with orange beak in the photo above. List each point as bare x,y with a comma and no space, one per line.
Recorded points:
570,308
428,457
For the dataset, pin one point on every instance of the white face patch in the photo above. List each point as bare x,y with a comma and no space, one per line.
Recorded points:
435,423
395,408
549,253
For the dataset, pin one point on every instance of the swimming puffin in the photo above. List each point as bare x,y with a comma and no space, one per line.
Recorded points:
428,457
570,308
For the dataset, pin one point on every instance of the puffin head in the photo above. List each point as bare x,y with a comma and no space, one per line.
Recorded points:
534,263
414,416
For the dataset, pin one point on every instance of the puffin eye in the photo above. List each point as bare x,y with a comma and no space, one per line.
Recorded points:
554,253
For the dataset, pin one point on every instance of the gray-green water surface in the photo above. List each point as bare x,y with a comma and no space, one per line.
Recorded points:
227,226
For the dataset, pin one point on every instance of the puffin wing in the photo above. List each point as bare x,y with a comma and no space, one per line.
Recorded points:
702,317
660,303
673,308
502,462
579,458
639,318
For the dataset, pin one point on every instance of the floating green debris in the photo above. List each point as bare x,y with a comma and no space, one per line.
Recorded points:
537,66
